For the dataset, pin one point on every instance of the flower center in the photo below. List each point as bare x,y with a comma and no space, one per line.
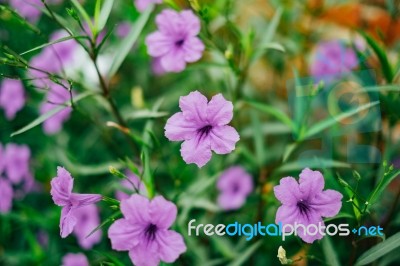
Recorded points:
204,131
235,188
303,207
150,231
179,42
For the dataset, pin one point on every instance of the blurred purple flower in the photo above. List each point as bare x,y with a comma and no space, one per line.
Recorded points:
123,29
203,127
2,159
16,162
28,8
156,67
235,184
331,59
12,97
176,42
61,192
43,238
135,180
306,202
141,5
6,195
57,95
87,219
144,231
75,259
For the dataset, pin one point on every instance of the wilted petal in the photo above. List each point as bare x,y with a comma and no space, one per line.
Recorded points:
196,150
179,128
136,209
219,110
311,183
223,139
124,235
171,245
61,187
79,200
67,221
162,212
288,191
327,203
194,107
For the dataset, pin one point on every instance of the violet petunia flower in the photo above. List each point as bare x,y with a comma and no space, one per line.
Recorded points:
16,163
332,59
6,195
176,42
141,5
144,231
87,219
75,259
235,184
203,127
306,202
134,186
61,192
12,97
56,96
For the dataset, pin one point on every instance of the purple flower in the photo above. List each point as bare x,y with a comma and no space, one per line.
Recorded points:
87,218
175,42
144,231
61,192
141,5
127,186
12,97
306,202
331,59
123,29
27,8
156,67
57,95
75,259
203,127
6,195
2,159
16,162
235,184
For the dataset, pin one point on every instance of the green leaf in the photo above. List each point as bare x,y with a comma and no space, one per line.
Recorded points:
127,44
320,126
20,18
379,250
312,163
258,137
51,113
329,252
54,42
145,114
110,219
274,112
381,54
104,14
244,256
383,183
84,14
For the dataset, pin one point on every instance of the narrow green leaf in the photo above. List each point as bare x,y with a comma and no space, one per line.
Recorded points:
273,111
379,250
319,127
51,113
383,183
329,252
145,114
54,42
104,14
110,219
84,14
312,163
244,256
127,44
20,18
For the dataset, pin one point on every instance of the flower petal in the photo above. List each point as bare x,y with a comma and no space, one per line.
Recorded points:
61,187
145,254
170,245
6,195
219,111
196,150
230,201
312,217
158,44
287,214
124,235
223,139
173,61
67,221
78,200
178,128
168,22
193,48
193,107
311,183
288,191
162,212
327,203
135,209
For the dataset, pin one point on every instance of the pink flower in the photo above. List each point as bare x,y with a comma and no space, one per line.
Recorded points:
123,29
235,184
77,259
306,202
12,97
6,195
137,187
87,219
141,5
176,42
144,231
203,127
16,163
61,192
